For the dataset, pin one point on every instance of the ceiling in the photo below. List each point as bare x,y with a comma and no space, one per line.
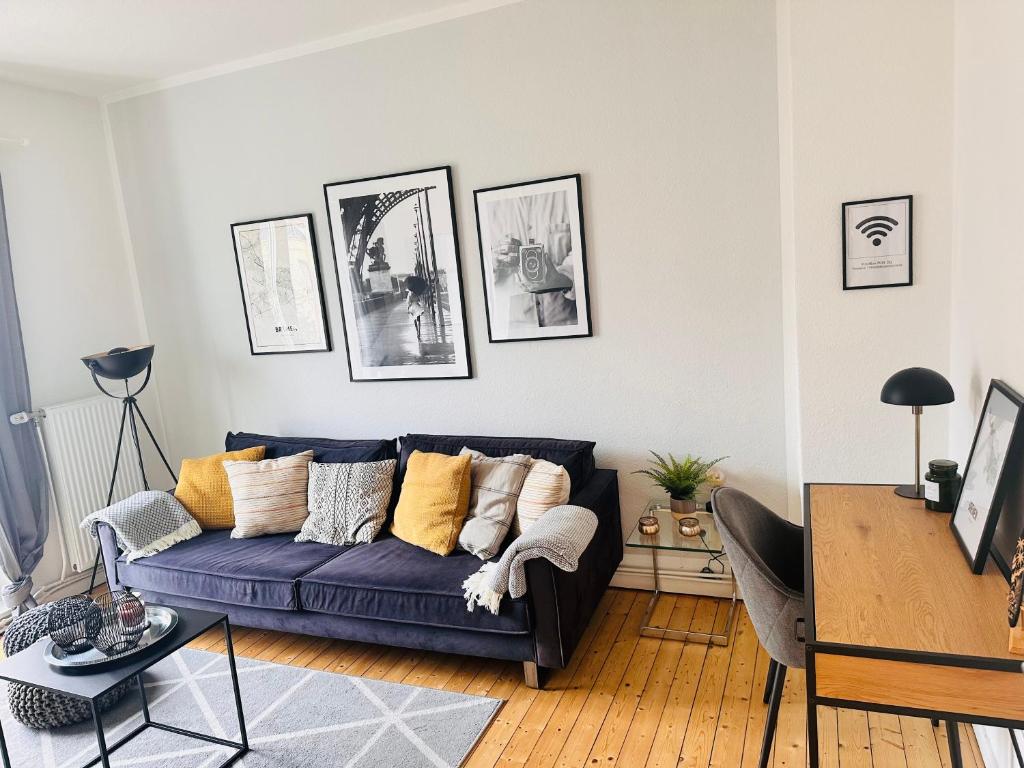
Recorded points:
102,47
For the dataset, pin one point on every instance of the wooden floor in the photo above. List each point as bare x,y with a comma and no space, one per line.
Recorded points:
632,701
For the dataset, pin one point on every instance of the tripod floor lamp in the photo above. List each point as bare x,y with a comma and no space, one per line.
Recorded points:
123,363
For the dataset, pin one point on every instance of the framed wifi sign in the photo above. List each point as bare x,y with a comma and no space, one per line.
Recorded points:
878,243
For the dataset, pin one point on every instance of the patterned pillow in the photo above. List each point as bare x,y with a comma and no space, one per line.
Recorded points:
269,495
348,503
496,483
547,485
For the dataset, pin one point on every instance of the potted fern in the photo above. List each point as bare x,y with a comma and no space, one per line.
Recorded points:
681,479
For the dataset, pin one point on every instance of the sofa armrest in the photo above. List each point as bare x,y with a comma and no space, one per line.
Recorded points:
561,603
110,550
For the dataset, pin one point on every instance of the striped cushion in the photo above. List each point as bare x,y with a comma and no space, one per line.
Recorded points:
547,485
496,483
269,495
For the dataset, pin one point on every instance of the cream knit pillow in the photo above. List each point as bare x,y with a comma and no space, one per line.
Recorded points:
270,495
546,486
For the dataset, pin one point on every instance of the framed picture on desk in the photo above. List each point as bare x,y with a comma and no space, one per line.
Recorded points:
997,441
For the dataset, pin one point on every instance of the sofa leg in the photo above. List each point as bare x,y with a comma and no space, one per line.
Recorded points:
531,674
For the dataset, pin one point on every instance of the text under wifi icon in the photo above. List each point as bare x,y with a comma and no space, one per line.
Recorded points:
876,228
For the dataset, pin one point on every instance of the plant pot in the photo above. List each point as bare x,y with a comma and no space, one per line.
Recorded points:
681,508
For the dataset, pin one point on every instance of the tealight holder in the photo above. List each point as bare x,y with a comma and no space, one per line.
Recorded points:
648,525
689,526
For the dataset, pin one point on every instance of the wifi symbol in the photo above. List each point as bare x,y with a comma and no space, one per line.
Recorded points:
875,228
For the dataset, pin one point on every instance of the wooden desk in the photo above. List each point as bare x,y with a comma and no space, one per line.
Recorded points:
896,621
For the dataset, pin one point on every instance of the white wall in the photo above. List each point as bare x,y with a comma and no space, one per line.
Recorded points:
866,111
988,271
669,112
75,293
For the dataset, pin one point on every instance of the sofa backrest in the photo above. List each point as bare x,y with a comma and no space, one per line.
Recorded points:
577,456
324,450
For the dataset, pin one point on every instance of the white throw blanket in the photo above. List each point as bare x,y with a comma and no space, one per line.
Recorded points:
560,536
145,523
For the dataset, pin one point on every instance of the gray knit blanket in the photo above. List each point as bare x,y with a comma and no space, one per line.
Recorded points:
560,536
145,523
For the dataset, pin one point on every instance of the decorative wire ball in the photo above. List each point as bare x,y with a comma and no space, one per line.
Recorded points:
72,621
122,625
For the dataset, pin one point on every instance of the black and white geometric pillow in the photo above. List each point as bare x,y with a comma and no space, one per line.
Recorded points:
348,503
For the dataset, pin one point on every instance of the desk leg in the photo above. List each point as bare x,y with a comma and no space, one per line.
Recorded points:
953,739
812,713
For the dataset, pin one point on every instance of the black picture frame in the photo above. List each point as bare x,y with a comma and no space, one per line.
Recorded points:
447,170
976,557
909,229
492,335
311,228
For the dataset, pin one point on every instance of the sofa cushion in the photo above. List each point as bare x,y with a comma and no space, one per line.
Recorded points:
577,456
325,451
390,579
254,572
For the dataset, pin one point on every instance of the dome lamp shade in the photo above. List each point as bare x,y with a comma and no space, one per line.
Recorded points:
120,362
916,387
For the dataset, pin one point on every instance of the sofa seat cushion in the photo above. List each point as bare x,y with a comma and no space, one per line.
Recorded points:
390,579
257,572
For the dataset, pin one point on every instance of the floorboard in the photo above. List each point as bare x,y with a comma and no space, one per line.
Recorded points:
627,700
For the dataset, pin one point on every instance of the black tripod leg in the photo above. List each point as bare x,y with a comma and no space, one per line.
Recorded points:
135,440
156,445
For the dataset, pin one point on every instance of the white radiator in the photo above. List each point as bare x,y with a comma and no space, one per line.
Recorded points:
80,438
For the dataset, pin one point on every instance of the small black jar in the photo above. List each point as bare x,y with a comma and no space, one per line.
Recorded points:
941,485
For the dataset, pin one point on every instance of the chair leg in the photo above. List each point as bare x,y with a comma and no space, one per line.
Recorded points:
953,739
772,666
773,715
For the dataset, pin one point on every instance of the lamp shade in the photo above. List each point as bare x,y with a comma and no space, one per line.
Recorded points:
917,386
120,362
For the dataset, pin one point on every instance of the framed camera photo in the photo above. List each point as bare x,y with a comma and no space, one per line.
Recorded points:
997,445
878,241
534,260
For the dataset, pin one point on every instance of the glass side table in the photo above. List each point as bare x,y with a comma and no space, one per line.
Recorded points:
668,538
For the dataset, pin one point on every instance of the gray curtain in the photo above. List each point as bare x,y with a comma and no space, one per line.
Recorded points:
24,487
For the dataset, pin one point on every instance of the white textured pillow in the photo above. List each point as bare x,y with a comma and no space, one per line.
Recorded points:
546,486
348,503
270,495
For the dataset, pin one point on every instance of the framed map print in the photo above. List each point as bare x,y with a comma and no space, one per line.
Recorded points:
534,260
997,444
878,240
396,256
282,293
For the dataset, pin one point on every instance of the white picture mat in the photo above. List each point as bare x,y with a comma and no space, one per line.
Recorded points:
280,320
442,219
887,263
986,464
497,308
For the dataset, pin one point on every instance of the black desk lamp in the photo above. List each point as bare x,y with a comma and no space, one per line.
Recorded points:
916,387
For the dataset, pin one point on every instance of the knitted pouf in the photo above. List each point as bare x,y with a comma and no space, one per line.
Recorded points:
38,708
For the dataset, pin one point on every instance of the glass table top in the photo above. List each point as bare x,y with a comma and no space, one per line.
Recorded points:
669,537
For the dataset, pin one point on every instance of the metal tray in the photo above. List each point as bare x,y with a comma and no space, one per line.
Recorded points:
160,620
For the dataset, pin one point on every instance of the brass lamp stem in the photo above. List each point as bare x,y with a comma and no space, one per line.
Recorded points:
918,410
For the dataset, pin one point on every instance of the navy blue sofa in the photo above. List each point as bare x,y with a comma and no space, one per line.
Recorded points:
390,592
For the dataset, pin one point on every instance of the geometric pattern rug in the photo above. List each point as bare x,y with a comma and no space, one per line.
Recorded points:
295,718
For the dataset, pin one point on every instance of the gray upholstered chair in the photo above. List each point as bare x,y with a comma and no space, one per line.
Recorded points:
766,553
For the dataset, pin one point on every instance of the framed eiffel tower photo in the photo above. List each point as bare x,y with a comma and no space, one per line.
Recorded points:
396,257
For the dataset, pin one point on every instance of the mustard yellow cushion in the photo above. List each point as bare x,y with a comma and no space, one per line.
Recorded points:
434,501
203,487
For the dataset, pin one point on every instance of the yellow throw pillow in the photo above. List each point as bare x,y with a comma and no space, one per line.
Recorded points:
434,501
203,487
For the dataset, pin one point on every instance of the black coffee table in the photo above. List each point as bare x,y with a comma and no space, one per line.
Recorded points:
29,667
